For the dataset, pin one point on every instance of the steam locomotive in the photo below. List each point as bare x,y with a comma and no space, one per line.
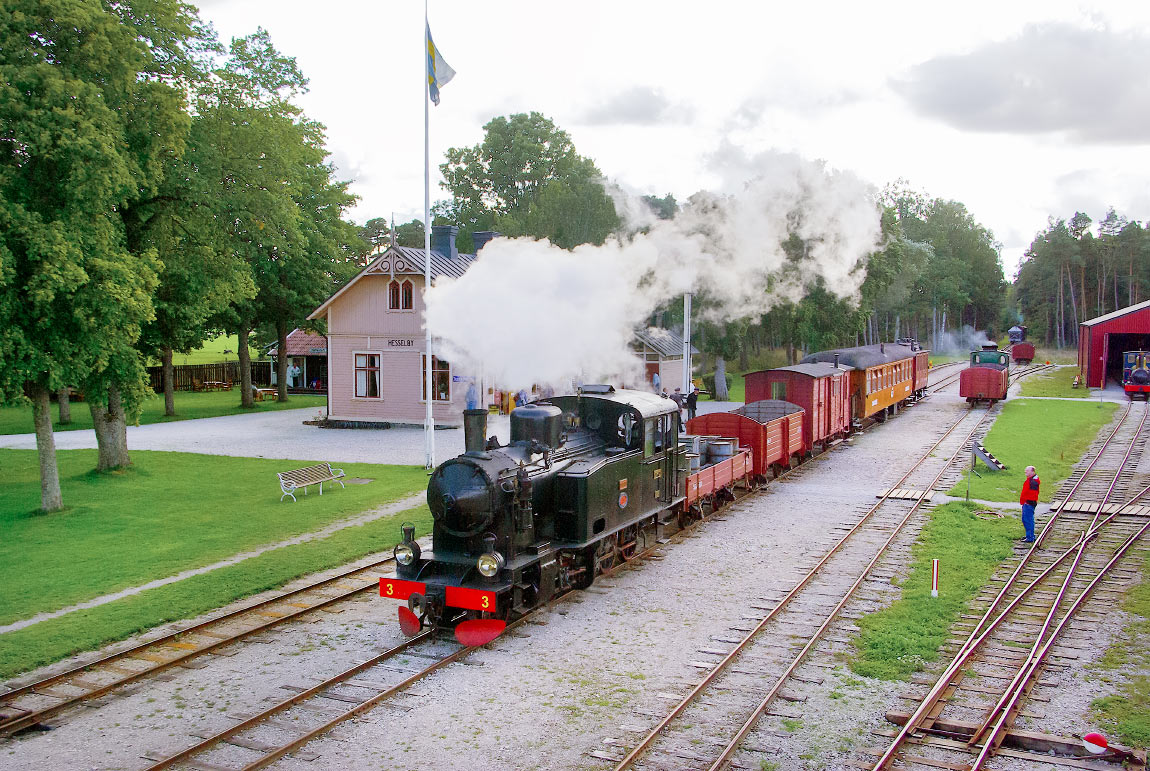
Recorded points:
568,497
1136,373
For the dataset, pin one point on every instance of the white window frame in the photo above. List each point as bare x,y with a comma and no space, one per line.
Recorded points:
355,376
423,380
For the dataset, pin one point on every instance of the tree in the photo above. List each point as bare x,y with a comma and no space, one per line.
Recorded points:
525,178
90,109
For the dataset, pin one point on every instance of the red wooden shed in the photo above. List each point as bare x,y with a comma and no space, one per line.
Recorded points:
820,388
1102,341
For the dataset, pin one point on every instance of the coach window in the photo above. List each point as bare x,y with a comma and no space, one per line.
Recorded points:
779,391
440,378
367,375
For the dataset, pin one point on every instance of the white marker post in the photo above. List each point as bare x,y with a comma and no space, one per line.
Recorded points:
934,578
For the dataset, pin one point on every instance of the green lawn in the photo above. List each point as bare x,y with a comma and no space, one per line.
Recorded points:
189,405
896,641
1049,435
168,513
83,630
212,351
1056,382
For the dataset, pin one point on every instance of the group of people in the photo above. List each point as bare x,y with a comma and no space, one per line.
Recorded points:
690,402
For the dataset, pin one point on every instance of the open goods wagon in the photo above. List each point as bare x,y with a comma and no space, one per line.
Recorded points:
771,429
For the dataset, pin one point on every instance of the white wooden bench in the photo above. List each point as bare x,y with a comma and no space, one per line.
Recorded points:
290,481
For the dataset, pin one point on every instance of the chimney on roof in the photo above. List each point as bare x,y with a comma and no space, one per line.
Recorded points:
481,237
443,240
836,361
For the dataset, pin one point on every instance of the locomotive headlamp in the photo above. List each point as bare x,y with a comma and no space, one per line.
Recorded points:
490,562
407,551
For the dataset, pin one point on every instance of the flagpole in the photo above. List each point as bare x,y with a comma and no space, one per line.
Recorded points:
429,424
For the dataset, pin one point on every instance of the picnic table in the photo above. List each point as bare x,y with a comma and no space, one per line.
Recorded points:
217,385
263,393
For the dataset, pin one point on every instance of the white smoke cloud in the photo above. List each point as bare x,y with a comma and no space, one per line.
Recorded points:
961,341
530,312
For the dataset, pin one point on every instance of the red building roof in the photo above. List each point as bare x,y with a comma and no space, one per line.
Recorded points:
300,343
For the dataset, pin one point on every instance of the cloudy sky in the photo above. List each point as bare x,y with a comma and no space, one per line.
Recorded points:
1019,109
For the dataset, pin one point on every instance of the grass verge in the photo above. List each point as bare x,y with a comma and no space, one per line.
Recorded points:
1054,383
1126,714
1049,435
897,641
189,406
84,630
167,513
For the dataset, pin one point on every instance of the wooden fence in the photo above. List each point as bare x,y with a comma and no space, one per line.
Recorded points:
222,372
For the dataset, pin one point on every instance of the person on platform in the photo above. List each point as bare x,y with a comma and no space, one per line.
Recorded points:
657,382
472,396
692,402
1029,500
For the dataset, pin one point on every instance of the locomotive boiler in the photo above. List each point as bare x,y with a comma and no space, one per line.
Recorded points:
567,498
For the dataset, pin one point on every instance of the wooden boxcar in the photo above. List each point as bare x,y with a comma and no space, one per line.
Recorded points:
1022,353
822,390
772,430
921,372
987,377
882,376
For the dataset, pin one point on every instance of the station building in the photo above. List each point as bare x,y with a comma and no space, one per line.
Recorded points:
1102,340
376,344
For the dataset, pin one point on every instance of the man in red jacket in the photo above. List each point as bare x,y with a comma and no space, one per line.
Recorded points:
1029,499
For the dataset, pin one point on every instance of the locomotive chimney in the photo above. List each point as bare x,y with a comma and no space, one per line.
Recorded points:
474,430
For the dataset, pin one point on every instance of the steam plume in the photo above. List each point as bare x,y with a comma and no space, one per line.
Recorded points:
529,312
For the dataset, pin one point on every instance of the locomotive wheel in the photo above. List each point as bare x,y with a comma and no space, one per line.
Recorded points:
628,542
605,554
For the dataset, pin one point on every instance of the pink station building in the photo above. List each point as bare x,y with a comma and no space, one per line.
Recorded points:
376,342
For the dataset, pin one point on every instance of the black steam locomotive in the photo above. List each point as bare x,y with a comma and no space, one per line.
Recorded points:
567,498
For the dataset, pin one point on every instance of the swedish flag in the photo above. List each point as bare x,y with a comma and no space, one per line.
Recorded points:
439,73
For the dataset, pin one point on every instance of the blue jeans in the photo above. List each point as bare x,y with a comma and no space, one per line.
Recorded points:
1028,520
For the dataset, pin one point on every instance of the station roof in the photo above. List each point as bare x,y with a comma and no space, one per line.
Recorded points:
663,341
300,343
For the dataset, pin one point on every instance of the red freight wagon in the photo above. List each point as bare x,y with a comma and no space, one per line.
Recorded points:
987,378
822,389
1022,353
771,430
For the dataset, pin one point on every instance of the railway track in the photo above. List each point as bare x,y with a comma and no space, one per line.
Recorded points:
720,712
32,704
1033,624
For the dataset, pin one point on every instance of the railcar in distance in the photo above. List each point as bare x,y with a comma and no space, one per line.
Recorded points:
1136,374
988,376
1021,351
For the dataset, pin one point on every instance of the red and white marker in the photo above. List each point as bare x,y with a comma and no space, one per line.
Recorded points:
934,578
1095,743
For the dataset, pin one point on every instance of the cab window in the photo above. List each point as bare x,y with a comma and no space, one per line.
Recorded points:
649,437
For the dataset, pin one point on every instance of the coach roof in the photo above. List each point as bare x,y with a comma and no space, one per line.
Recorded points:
865,356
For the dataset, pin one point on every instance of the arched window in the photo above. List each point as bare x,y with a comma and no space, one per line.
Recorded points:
408,291
393,296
